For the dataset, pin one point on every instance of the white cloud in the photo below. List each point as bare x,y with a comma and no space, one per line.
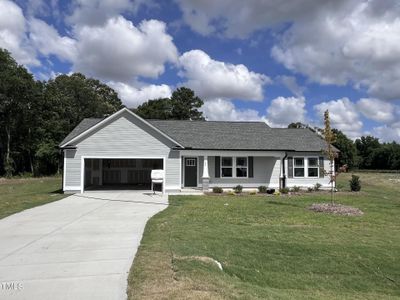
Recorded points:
133,96
360,46
47,41
120,51
388,133
291,83
343,115
377,110
238,18
97,12
216,79
283,111
13,33
224,110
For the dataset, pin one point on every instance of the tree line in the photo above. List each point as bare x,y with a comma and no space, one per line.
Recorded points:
35,116
366,152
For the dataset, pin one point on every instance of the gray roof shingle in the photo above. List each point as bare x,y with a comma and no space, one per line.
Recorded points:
222,135
84,125
239,136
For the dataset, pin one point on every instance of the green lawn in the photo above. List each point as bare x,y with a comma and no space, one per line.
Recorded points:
273,247
19,194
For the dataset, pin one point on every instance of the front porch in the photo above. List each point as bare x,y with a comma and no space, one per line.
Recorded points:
203,170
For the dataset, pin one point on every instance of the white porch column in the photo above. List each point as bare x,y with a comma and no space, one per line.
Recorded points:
281,176
206,176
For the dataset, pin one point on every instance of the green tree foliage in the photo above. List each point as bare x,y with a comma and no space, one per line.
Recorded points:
366,146
348,152
155,109
183,105
35,116
17,99
298,125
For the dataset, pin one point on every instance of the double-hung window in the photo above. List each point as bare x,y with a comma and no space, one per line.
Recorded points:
313,168
236,167
241,166
226,167
299,167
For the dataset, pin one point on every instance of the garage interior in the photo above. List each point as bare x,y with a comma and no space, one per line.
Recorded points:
120,174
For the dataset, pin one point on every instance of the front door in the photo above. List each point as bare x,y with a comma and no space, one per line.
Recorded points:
190,171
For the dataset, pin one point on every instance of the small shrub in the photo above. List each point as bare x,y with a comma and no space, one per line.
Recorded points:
217,190
253,193
270,191
262,189
310,189
277,193
230,193
238,189
295,189
317,186
284,190
355,183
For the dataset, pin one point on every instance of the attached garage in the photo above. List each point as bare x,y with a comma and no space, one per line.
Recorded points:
120,173
119,152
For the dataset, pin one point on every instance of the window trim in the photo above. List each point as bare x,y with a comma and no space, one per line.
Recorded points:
234,167
314,167
305,166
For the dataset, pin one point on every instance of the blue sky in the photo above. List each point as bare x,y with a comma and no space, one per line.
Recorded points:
268,60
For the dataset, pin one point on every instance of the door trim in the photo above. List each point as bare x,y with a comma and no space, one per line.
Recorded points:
184,170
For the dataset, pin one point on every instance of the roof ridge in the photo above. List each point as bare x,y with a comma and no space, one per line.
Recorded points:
206,121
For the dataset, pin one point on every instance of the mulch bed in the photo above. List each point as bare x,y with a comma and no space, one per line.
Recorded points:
336,209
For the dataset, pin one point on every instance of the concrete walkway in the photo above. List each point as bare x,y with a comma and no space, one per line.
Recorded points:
81,247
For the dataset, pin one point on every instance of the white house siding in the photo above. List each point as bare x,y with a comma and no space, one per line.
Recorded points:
124,137
306,181
266,172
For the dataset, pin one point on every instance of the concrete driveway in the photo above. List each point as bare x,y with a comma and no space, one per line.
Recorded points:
81,247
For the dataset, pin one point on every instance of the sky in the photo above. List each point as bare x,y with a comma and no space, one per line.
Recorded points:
270,60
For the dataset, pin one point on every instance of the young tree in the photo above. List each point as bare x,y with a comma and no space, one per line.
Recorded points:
330,138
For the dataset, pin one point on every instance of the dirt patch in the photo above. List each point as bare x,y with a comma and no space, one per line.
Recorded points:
336,209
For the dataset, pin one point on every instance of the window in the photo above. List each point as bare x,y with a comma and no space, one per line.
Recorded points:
241,166
298,167
190,162
236,167
226,167
313,168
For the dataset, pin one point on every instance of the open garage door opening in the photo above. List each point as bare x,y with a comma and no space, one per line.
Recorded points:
120,174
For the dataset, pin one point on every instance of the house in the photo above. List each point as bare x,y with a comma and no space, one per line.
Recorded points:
122,149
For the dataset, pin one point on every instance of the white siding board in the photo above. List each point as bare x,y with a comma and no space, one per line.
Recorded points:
266,172
307,181
125,136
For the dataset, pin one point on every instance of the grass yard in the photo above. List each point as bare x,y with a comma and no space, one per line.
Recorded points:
19,194
273,247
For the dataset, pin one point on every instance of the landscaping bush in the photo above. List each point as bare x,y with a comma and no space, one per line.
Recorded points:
317,186
217,190
238,189
310,189
355,183
262,189
270,191
253,193
295,189
284,190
